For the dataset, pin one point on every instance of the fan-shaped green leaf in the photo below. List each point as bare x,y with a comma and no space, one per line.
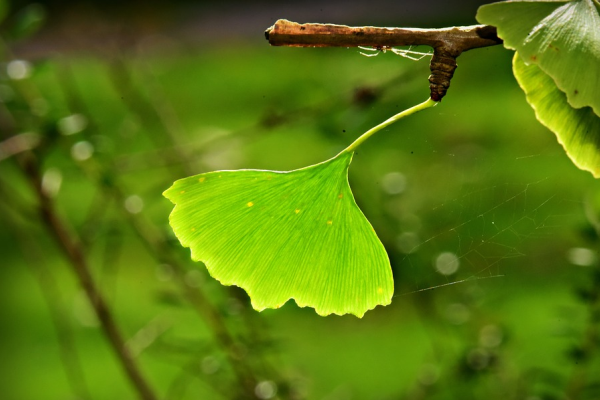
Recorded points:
282,235
562,38
578,130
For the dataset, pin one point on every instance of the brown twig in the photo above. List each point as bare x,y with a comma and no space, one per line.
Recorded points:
34,259
74,253
71,245
152,238
156,245
447,43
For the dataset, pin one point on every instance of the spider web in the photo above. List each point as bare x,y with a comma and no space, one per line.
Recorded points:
483,239
498,224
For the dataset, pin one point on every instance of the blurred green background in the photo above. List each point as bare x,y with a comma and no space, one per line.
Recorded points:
491,230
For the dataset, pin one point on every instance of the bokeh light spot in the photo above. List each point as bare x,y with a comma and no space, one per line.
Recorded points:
82,151
72,124
582,256
447,263
393,183
134,204
18,69
265,390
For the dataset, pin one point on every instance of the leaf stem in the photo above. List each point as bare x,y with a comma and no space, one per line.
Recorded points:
426,104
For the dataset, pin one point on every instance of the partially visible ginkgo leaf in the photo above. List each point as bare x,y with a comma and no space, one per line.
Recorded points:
561,37
578,130
558,67
285,235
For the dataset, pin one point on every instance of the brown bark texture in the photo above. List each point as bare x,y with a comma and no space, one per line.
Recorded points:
447,43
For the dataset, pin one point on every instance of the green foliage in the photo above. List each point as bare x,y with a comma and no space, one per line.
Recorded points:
4,8
503,206
282,235
576,129
562,39
28,21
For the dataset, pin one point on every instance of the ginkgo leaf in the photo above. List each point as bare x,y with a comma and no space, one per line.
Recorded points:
578,130
285,235
562,38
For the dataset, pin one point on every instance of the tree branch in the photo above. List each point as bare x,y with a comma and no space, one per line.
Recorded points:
447,43
34,259
74,252
152,238
460,38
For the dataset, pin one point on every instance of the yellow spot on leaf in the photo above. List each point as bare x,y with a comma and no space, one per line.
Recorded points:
329,222
193,229
379,290
250,204
340,196
201,179
297,210
182,192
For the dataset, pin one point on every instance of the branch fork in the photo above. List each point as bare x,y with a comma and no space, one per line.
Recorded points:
447,43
